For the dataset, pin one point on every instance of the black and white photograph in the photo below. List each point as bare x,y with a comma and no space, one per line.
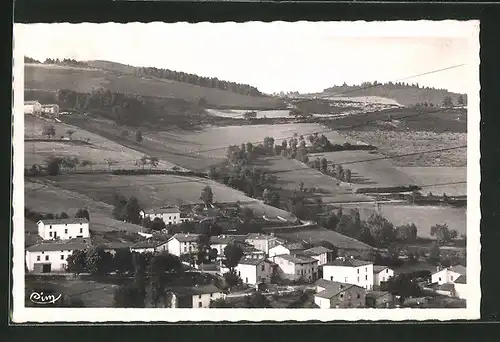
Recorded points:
234,169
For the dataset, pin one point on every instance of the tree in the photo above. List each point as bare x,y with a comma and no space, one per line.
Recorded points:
76,262
98,261
122,261
461,100
132,210
70,133
207,195
212,254
233,254
434,254
339,171
53,165
129,296
324,165
381,229
347,175
138,136
447,102
83,213
62,215
49,131
406,233
86,163
157,224
257,300
143,161
154,161
220,303
443,234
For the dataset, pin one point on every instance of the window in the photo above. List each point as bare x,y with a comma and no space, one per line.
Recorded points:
262,268
62,257
50,226
386,270
366,269
358,270
345,280
439,278
331,278
81,230
358,279
211,295
341,295
50,234
246,279
366,277
358,296
199,304
185,249
199,296
46,258
451,278
66,231
37,258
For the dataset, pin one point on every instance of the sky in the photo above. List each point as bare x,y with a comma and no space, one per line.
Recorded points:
301,56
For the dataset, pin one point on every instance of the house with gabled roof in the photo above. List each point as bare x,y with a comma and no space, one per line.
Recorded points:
220,243
296,267
147,246
169,215
32,107
194,297
331,294
262,242
286,248
49,257
63,229
461,289
181,244
448,275
381,274
255,271
351,271
320,253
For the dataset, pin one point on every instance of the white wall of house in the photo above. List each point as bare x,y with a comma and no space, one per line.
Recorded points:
323,303
143,250
322,258
461,291
255,274
168,218
179,248
278,250
361,276
219,247
285,266
57,259
382,276
63,231
32,108
262,244
295,271
444,276
203,300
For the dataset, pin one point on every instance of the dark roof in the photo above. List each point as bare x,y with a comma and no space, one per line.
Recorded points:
194,290
58,246
240,238
252,261
221,240
348,262
459,269
257,236
186,237
461,280
65,221
446,287
335,289
317,250
164,210
147,244
324,283
377,294
297,259
378,268
294,246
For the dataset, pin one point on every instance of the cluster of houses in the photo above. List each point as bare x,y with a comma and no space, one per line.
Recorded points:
343,282
36,108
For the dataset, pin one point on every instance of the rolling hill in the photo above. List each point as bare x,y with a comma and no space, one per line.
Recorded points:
120,79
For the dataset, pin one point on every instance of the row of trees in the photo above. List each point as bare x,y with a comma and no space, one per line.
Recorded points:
35,216
126,209
54,164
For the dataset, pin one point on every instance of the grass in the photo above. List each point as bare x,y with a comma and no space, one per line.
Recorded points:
392,143
47,198
97,151
424,217
376,173
439,175
51,77
156,190
238,113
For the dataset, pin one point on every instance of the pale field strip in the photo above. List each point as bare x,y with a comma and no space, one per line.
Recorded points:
403,29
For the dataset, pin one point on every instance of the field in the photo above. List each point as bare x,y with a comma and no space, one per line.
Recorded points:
365,99
392,143
424,217
97,151
156,190
46,198
238,113
290,180
52,77
439,175
376,173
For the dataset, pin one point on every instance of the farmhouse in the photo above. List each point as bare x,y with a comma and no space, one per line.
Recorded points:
261,241
379,299
51,256
281,249
32,107
339,295
63,229
220,243
296,267
255,271
51,109
351,271
381,274
169,215
448,275
181,244
319,253
194,297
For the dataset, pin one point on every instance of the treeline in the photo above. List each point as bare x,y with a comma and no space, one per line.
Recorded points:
209,82
36,216
57,61
387,85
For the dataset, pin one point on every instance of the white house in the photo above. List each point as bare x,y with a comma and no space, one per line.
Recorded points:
319,253
350,271
51,256
169,215
296,267
220,243
448,275
52,109
32,107
195,297
339,295
281,249
461,289
261,241
254,271
381,274
180,244
147,246
64,229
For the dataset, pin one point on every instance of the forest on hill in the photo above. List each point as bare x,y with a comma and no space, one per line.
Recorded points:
407,94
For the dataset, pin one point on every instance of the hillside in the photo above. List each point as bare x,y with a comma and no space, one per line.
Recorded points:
404,94
120,79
